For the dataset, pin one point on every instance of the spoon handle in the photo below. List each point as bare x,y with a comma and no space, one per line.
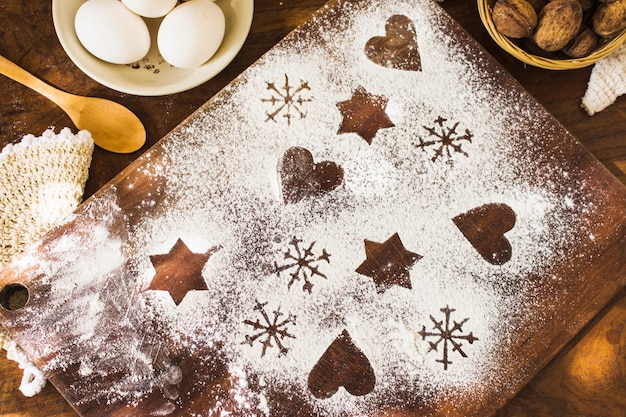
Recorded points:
25,78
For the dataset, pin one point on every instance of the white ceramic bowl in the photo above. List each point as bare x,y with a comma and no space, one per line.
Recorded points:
153,76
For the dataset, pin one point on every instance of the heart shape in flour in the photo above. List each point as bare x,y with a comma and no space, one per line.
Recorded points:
485,227
398,48
343,364
301,177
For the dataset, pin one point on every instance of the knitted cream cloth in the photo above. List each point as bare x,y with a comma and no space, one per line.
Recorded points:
42,181
607,82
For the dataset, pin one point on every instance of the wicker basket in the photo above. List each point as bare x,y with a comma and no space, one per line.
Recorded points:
485,9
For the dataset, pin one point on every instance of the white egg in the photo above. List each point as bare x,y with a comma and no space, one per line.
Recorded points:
111,32
150,8
191,33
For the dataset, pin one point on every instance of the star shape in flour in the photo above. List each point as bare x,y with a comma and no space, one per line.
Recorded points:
388,263
364,114
179,271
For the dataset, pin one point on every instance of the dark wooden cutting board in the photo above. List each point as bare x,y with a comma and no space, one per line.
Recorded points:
374,219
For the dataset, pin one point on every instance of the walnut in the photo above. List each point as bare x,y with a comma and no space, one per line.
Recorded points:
559,21
560,28
514,18
582,45
610,18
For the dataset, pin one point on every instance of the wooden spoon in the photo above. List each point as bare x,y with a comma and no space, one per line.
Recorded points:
112,126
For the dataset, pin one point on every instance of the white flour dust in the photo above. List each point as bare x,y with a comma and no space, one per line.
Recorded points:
222,189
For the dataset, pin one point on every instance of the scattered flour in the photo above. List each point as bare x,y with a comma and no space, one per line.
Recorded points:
219,187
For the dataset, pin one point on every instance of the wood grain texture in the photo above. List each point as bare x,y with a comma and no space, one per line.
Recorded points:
587,379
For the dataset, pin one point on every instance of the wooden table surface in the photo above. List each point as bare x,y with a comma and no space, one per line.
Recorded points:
588,378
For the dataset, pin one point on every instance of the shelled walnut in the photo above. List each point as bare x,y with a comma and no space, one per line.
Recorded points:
572,27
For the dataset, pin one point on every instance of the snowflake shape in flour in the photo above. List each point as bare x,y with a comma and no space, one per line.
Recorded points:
303,263
268,329
286,100
445,139
449,335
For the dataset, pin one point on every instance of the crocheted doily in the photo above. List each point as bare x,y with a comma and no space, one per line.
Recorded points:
42,181
607,82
